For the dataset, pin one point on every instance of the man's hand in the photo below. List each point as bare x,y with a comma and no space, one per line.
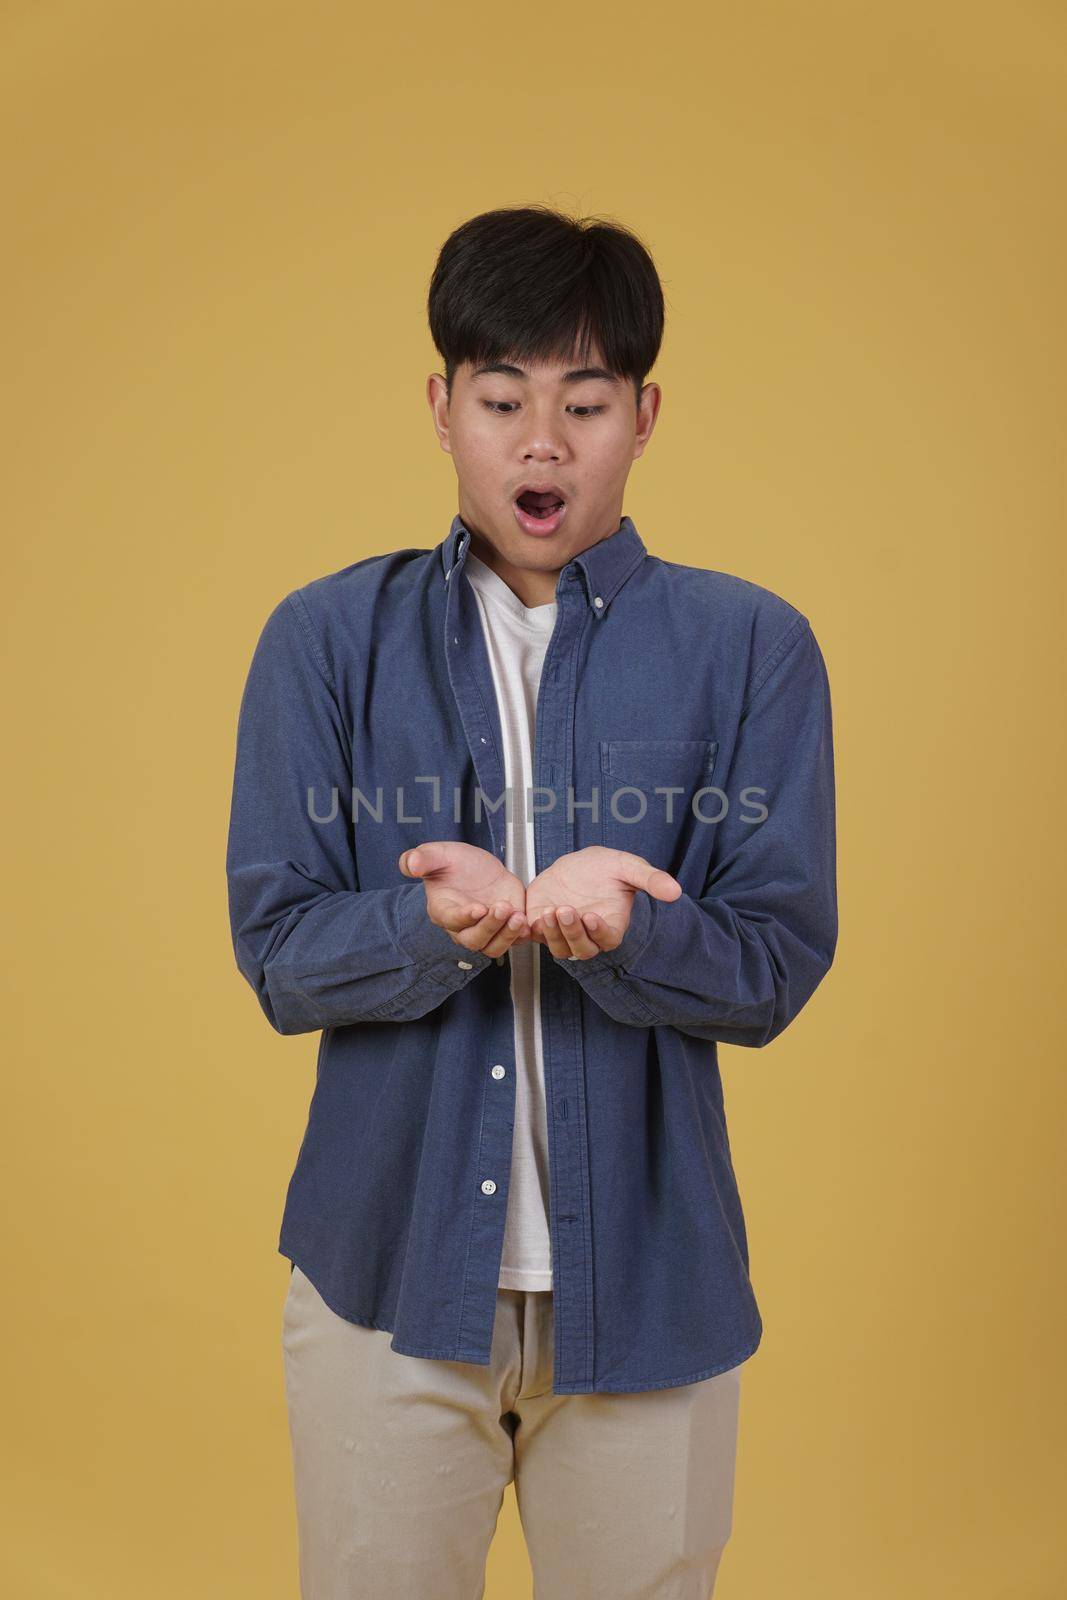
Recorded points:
470,894
578,906
581,904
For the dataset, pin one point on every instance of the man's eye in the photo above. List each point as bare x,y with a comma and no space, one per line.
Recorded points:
582,412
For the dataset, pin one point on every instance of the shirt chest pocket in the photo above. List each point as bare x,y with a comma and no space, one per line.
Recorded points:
646,796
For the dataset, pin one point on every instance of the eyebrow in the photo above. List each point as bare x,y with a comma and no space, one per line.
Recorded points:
579,375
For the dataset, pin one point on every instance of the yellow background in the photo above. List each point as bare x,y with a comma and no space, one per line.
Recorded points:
220,224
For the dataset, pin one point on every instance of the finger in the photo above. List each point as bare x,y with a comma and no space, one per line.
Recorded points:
580,946
603,935
421,859
466,917
496,931
662,885
473,928
641,874
556,936
509,929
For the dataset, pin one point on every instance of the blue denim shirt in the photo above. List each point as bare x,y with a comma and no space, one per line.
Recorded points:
369,723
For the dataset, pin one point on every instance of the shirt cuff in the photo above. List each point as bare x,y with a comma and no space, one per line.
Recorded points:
637,935
424,942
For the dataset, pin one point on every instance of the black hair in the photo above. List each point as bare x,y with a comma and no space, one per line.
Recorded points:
530,283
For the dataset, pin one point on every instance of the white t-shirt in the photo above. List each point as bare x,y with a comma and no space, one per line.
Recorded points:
516,638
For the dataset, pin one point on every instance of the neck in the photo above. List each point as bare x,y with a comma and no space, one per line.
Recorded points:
534,588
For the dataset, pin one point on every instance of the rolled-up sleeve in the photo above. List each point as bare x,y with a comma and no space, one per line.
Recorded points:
737,964
318,950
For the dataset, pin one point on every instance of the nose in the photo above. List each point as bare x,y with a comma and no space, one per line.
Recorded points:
540,446
542,438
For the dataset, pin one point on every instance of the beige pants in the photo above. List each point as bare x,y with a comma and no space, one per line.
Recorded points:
400,1466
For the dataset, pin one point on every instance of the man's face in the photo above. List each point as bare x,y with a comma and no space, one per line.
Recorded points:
572,432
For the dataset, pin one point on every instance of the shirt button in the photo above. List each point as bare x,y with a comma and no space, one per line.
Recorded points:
488,1186
468,966
498,1071
598,602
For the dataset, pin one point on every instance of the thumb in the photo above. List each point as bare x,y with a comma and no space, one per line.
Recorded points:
641,874
422,859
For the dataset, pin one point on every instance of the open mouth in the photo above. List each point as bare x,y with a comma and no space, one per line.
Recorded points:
540,503
540,512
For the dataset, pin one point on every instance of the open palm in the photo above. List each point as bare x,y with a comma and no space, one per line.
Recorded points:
577,907
599,884
469,893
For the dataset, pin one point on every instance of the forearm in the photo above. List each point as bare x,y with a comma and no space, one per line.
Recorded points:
370,955
698,966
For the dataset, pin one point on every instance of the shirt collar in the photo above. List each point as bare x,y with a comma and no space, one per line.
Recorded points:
606,565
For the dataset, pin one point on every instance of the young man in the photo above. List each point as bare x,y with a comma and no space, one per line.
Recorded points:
527,823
